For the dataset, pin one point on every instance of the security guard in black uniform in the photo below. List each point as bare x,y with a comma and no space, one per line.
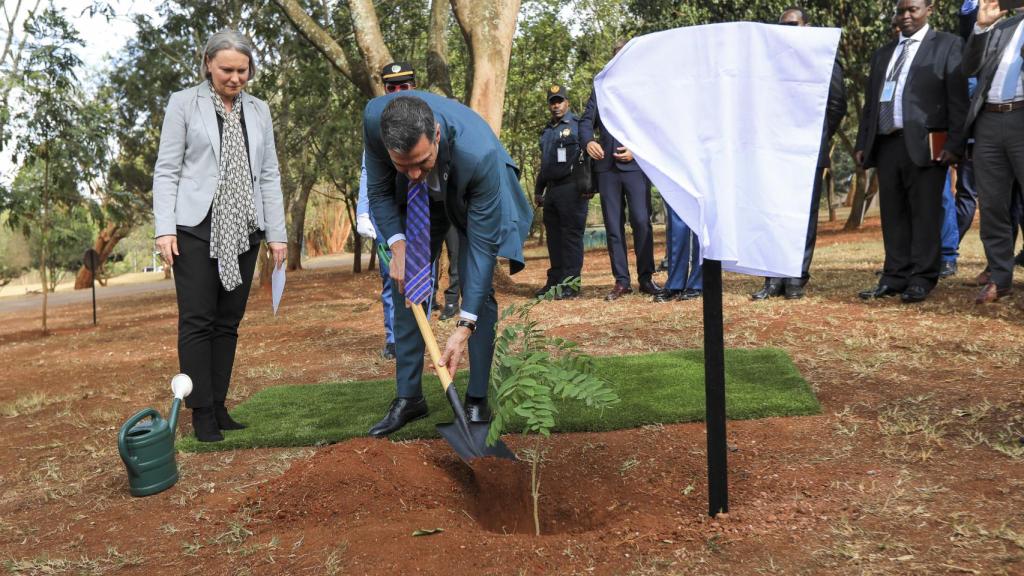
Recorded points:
565,210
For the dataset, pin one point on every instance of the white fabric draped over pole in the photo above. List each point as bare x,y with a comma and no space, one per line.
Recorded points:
726,120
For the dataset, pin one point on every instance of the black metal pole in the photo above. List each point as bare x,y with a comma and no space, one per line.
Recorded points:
93,298
714,388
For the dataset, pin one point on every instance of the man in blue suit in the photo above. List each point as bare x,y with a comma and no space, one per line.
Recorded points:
620,182
473,186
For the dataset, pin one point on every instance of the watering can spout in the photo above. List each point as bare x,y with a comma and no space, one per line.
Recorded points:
181,386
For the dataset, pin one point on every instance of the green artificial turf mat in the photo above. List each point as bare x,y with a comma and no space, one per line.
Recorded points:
659,388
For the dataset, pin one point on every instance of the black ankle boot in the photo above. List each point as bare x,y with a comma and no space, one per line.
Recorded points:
224,420
204,423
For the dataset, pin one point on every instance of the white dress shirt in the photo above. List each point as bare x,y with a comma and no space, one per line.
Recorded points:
995,91
901,82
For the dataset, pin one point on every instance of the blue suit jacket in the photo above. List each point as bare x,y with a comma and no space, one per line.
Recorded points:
479,183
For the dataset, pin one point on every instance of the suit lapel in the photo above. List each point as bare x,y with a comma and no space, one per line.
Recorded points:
444,158
209,117
922,59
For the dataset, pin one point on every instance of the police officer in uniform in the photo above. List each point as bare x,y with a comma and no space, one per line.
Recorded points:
565,209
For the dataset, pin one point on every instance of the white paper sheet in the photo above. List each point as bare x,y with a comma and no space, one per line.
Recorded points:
726,121
277,279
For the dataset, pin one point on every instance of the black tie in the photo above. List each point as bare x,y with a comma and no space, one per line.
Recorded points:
887,110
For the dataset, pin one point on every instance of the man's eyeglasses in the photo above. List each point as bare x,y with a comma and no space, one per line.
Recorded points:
790,23
398,87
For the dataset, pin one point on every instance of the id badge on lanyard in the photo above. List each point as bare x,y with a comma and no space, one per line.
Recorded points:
888,91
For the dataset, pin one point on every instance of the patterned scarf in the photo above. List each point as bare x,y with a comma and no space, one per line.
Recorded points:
234,215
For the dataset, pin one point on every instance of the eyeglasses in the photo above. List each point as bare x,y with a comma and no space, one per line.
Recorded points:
790,23
390,88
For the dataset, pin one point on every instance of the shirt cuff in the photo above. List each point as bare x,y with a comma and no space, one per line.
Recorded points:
979,30
467,316
395,238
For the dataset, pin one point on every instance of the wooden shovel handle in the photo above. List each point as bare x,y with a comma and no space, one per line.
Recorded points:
431,342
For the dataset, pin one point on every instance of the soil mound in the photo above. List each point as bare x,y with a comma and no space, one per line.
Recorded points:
373,478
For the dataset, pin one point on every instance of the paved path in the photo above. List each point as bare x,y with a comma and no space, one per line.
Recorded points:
30,301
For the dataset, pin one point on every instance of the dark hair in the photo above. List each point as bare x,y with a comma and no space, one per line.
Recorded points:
404,120
803,15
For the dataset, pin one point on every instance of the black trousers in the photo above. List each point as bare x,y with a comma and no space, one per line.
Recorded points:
998,161
618,189
812,234
910,199
208,319
565,217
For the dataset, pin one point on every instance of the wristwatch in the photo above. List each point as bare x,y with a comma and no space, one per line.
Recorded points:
466,323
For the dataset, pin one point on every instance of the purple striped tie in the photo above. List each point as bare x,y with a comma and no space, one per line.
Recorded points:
417,250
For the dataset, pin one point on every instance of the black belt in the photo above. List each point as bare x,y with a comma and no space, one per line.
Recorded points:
1004,107
894,134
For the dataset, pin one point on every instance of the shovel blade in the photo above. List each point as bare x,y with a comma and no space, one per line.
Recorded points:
472,443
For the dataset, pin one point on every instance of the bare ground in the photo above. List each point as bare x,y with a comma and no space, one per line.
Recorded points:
913,467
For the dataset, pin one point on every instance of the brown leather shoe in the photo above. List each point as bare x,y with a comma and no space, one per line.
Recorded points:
991,293
982,279
618,292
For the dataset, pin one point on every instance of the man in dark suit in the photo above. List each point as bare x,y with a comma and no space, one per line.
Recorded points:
915,88
835,111
473,185
996,115
565,209
619,179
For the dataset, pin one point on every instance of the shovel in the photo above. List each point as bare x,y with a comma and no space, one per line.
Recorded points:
468,439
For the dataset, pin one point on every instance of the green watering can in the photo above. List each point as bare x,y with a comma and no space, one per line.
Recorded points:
147,446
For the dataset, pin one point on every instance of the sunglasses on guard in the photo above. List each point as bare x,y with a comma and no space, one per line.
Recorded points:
390,88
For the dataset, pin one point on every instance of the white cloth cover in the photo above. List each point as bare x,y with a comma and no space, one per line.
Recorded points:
726,121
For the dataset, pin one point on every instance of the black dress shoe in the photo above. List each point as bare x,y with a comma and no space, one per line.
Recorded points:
541,292
666,296
224,420
618,291
794,290
690,294
948,269
388,353
649,287
477,409
914,294
772,287
450,310
204,424
880,291
400,412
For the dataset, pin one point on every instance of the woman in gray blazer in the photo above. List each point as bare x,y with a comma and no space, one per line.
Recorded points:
216,196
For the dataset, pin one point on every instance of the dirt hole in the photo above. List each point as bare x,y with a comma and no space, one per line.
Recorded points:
498,497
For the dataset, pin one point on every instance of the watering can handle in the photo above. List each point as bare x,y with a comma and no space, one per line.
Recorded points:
122,436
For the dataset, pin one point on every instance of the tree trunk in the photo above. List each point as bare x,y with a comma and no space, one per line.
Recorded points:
438,77
488,28
43,232
104,246
370,41
297,232
335,54
266,266
862,200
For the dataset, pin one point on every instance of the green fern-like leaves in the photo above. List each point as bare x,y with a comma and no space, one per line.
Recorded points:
532,371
